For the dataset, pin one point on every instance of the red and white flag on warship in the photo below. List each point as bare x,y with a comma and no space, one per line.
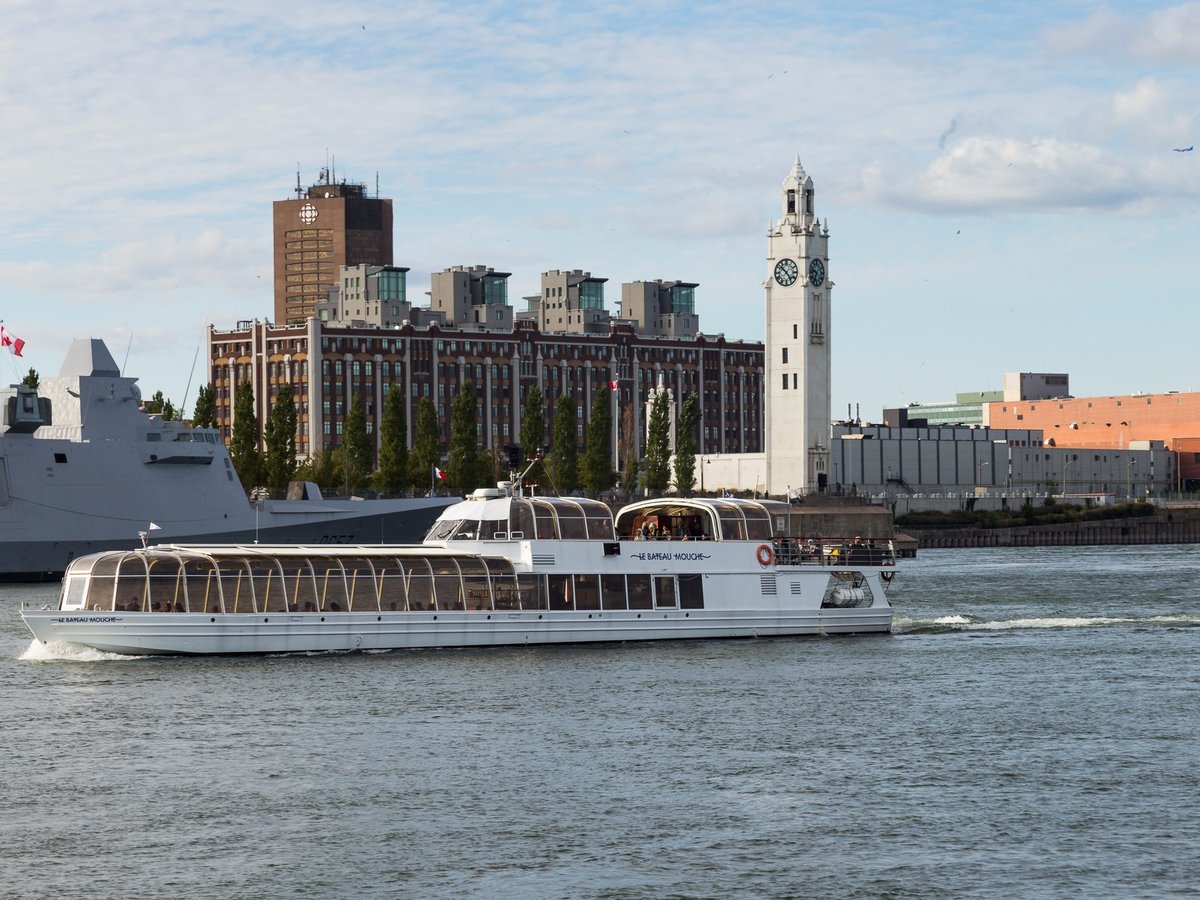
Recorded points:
13,343
612,385
438,472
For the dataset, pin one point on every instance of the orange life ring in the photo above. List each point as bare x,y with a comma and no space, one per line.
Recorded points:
765,554
887,577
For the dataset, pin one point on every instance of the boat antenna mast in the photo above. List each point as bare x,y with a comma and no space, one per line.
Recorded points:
519,480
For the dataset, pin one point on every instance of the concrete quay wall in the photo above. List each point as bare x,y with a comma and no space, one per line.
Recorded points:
1167,528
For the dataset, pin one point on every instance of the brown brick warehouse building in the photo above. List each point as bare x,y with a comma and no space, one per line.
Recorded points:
328,365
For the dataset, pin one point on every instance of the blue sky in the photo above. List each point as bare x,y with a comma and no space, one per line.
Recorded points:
999,180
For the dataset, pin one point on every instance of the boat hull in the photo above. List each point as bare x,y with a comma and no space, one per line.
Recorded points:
203,634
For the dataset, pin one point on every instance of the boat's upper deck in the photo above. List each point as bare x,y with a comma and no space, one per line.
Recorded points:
493,515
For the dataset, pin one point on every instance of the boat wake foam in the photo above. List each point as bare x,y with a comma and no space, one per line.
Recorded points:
61,651
945,624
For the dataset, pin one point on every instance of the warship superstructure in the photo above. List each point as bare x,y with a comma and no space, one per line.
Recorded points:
83,468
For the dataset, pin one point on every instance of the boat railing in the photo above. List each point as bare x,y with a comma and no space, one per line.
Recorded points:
789,551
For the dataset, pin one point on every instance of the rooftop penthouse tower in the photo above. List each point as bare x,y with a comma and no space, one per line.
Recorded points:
332,224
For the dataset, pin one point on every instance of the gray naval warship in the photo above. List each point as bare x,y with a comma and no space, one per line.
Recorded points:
83,468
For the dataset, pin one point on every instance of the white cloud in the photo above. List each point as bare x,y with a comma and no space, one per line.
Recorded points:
1168,36
143,271
987,173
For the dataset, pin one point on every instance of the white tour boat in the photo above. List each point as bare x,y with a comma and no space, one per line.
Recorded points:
495,569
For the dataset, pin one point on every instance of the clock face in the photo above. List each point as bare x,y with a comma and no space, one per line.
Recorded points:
308,214
816,273
786,272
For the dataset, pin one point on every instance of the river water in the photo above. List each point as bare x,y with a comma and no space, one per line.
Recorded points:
1030,729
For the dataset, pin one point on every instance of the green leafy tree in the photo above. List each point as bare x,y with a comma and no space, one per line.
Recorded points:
358,451
205,413
31,378
462,465
427,445
598,474
243,443
280,438
629,459
154,406
168,411
564,446
533,430
392,476
658,446
685,445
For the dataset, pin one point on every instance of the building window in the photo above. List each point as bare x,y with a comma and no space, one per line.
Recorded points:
785,350
785,383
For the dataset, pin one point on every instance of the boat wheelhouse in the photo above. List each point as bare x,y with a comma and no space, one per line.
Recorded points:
494,569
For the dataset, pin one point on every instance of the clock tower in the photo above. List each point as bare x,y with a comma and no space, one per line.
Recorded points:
797,348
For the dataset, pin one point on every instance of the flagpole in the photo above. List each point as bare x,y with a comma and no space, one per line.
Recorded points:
432,479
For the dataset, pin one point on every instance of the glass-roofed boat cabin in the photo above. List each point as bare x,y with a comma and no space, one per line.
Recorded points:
771,523
707,519
489,515
293,579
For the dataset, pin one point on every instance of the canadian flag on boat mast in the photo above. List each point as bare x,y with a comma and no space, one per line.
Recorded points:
438,472
12,342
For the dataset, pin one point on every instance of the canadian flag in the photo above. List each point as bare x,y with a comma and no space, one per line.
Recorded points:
613,385
12,342
438,472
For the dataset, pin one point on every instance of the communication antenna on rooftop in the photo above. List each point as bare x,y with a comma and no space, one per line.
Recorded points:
298,192
376,184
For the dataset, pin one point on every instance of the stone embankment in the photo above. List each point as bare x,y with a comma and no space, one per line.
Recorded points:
1181,526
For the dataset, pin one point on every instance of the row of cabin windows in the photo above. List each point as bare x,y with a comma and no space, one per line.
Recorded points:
406,585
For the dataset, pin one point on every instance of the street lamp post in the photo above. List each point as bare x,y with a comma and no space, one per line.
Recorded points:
259,496
1066,463
979,470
